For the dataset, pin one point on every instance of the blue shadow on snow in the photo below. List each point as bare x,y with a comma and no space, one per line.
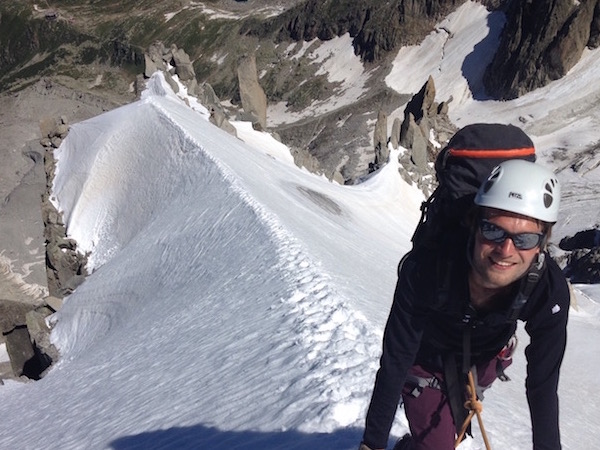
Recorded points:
200,437
476,62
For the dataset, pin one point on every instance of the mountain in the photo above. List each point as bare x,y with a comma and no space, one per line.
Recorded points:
99,48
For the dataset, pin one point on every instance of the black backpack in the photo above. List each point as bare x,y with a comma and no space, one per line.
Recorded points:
460,169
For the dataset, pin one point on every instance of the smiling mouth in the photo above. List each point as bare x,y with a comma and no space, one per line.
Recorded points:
502,264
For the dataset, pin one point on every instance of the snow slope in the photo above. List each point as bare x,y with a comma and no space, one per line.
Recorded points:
237,302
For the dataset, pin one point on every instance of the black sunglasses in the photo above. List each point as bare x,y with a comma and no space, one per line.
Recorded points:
522,241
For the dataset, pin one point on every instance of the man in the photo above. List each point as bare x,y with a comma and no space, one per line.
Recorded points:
432,340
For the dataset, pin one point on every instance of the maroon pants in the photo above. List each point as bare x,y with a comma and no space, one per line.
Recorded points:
428,411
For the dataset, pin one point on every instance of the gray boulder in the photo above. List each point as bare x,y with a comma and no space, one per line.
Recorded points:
171,82
412,138
218,118
27,339
158,57
154,59
149,66
218,115
183,65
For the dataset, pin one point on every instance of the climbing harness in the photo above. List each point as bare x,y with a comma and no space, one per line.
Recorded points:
475,407
420,383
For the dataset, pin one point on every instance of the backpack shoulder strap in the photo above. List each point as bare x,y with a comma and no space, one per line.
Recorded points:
528,284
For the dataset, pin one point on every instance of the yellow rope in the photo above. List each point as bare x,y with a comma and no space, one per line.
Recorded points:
475,407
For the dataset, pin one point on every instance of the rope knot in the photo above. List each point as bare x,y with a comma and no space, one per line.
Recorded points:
474,405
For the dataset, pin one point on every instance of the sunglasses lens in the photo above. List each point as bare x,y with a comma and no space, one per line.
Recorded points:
526,241
492,233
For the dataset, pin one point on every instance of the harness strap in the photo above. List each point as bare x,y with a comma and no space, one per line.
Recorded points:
466,362
419,235
455,390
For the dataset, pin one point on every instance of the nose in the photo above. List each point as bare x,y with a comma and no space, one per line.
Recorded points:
506,247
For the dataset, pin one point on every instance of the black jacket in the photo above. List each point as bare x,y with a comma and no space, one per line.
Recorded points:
426,320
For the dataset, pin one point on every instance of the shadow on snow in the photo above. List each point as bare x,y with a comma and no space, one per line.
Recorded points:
201,437
472,67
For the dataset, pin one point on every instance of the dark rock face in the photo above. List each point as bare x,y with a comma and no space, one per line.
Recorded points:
534,52
377,27
65,264
583,263
584,266
587,239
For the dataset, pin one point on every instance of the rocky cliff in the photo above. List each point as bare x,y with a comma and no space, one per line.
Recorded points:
376,27
541,41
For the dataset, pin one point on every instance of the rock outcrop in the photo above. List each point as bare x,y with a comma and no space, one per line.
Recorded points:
26,336
380,141
425,129
65,265
339,144
395,136
175,61
254,99
24,325
172,61
534,52
583,261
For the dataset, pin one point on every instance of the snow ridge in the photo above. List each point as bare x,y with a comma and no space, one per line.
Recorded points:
339,339
216,254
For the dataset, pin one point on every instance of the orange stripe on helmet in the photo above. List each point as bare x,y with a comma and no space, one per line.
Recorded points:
492,153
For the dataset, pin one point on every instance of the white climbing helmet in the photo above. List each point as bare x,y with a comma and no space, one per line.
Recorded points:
521,187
